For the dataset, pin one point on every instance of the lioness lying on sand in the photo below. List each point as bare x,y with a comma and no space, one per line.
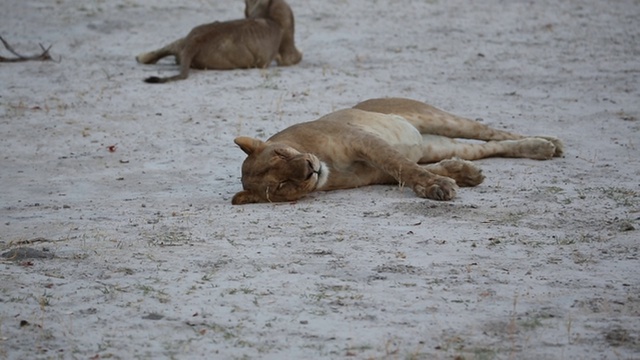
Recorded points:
266,34
379,141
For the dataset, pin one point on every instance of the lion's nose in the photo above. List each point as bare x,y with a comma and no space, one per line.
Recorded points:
311,170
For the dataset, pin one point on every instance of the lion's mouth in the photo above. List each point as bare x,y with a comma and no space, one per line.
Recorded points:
321,174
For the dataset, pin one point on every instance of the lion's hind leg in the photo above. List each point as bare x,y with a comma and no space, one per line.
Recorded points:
533,148
436,148
431,120
186,57
152,57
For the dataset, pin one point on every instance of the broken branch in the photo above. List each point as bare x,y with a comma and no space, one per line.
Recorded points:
44,56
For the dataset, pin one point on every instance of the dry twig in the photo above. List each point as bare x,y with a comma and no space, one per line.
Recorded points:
44,56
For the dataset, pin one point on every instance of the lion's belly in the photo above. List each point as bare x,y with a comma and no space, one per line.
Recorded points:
253,44
233,57
396,131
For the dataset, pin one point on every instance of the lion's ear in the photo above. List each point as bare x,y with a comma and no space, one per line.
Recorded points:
245,197
247,144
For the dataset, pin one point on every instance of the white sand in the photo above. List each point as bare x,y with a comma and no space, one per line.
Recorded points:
152,261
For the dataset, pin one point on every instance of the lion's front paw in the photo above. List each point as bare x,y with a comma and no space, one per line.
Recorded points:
441,188
464,172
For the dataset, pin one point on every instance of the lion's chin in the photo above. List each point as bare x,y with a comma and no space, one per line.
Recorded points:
323,176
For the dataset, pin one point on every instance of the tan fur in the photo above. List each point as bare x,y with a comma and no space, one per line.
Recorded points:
379,141
266,34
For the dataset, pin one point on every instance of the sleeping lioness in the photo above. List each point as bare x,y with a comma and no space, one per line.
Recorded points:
266,34
379,141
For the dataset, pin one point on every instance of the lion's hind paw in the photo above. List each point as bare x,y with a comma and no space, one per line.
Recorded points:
559,151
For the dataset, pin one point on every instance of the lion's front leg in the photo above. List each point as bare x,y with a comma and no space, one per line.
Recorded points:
379,154
407,173
464,172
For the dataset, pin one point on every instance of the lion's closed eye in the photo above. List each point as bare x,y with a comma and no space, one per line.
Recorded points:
285,154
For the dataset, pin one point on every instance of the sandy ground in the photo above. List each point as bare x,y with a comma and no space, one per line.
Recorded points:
138,253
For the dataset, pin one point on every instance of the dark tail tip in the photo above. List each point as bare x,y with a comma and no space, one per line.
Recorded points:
154,80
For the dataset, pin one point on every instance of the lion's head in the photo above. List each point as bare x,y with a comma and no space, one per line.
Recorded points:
254,9
280,12
277,172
